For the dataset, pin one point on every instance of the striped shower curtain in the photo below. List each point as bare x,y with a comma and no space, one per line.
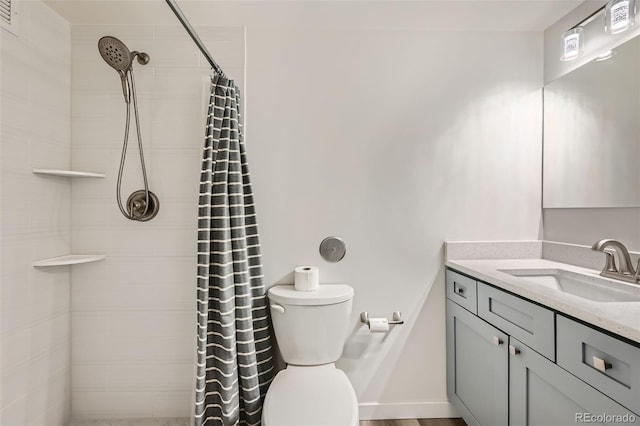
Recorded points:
234,361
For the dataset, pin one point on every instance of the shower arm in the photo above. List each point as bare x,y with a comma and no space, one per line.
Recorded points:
194,36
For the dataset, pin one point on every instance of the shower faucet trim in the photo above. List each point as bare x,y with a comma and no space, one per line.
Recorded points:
142,205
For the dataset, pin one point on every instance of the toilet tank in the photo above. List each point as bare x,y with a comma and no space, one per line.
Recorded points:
311,326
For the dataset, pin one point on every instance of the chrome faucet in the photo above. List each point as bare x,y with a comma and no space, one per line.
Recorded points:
626,271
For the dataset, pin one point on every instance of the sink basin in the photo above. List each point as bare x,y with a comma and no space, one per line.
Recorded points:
589,287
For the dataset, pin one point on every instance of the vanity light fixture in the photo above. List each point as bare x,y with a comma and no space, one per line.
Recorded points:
606,55
572,42
619,15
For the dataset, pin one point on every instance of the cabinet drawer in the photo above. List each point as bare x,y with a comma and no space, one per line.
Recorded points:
606,363
462,290
533,325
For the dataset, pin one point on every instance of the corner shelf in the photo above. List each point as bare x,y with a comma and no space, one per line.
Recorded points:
69,259
68,173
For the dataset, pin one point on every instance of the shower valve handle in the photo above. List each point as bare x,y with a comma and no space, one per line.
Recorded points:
138,205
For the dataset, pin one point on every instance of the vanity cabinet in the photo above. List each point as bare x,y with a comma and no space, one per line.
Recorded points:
501,367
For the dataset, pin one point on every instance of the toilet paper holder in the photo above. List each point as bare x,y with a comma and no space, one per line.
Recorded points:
396,318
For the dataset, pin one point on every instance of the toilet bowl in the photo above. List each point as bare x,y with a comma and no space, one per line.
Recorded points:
310,329
310,396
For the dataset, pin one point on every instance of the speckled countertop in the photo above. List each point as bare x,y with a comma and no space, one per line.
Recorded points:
622,318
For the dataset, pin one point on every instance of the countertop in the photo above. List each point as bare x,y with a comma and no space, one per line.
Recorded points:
621,318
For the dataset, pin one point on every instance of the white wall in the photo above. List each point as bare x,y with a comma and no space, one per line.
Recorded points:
35,213
133,316
585,226
394,140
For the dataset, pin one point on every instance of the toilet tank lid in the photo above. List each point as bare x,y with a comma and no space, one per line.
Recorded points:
327,294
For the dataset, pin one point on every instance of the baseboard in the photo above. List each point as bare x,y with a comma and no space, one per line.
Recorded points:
408,410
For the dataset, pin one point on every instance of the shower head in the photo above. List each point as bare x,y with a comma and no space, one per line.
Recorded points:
117,55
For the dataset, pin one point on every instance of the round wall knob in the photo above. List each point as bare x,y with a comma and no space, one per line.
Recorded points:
332,249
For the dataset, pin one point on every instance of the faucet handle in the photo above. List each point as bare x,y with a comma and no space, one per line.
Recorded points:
610,262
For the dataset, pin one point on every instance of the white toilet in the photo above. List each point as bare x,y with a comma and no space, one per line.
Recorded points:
310,328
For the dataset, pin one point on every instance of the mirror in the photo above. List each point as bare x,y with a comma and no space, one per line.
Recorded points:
592,134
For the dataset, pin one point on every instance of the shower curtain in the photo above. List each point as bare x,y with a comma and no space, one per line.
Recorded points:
234,359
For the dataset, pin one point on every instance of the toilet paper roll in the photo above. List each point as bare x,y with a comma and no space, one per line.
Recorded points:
378,325
307,278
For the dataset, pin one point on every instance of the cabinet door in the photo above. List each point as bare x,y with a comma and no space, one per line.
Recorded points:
477,368
543,394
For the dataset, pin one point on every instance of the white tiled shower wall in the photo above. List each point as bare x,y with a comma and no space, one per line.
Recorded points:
35,211
133,316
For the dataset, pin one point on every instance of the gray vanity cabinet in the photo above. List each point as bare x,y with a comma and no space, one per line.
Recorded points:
543,394
477,365
495,378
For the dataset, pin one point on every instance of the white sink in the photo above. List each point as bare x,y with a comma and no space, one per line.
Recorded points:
591,287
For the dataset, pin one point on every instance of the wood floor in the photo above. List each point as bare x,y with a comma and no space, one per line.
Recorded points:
185,422
414,422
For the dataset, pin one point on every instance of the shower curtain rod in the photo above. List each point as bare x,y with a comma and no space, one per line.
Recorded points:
194,36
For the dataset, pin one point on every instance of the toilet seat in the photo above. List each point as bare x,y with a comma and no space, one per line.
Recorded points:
310,396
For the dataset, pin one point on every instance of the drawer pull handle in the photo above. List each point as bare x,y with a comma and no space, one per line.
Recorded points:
513,350
600,364
497,341
457,290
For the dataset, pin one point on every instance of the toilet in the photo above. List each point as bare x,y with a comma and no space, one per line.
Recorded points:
310,328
